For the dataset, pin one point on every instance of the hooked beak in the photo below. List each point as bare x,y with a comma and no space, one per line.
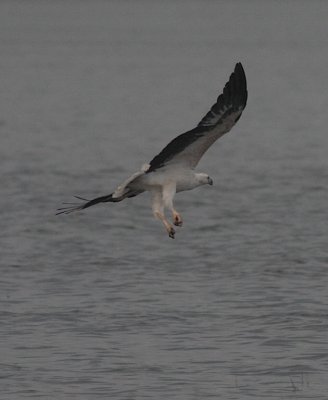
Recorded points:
210,181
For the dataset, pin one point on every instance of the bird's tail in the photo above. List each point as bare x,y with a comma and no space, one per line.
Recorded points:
71,207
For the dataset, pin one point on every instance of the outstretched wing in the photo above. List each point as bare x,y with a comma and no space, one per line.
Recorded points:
129,188
188,148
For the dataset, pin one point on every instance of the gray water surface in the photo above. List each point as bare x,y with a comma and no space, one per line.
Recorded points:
102,304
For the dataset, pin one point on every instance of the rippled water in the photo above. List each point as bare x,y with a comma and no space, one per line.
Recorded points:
102,304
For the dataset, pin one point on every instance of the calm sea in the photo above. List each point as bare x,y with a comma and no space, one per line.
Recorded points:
102,304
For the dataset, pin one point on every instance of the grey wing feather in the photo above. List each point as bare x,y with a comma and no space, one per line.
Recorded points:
189,147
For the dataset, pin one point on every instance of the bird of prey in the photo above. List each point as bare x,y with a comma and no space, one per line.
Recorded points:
173,169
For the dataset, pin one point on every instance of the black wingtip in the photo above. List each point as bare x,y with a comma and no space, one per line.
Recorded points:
238,79
72,207
234,94
239,68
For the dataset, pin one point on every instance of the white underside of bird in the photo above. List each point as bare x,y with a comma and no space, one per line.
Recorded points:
163,185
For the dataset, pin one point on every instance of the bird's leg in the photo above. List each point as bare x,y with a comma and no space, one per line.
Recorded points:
169,191
168,226
158,211
177,220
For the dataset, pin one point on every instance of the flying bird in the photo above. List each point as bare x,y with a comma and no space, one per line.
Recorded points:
173,169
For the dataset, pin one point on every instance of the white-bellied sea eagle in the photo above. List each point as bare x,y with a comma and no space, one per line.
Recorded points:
173,169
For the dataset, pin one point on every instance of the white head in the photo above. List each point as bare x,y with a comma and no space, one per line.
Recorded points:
203,179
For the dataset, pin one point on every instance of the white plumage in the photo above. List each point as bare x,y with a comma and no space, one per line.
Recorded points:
172,170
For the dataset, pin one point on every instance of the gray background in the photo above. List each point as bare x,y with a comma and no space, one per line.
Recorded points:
102,304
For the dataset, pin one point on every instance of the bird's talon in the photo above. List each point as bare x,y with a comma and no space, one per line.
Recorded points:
171,233
177,222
